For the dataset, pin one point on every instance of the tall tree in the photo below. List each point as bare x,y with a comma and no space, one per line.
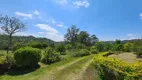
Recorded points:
11,25
71,35
94,39
83,37
118,46
100,46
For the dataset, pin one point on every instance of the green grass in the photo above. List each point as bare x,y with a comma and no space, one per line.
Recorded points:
73,71
69,64
91,73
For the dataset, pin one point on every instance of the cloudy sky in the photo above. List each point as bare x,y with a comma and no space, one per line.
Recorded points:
108,19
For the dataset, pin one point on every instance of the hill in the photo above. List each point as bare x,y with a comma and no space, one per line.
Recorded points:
22,39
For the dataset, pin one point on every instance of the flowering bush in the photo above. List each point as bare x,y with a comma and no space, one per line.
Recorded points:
107,67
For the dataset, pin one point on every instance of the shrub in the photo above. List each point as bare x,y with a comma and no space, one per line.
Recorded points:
138,52
115,69
61,49
80,46
4,64
127,47
68,46
94,50
17,46
109,53
50,56
27,57
38,45
81,52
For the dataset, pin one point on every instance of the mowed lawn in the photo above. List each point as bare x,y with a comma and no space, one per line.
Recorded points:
127,57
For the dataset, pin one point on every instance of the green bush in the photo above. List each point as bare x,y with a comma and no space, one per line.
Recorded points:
17,46
38,45
138,51
68,46
80,46
4,64
61,49
81,52
50,56
27,57
94,50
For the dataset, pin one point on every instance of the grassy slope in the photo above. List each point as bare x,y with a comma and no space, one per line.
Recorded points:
69,68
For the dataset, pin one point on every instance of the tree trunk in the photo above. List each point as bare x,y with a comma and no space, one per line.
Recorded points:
9,44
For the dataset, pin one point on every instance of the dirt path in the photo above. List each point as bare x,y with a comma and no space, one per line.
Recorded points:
73,71
70,69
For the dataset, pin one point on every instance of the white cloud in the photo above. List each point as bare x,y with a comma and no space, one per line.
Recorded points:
25,34
60,25
49,32
47,28
41,32
133,38
62,1
130,35
79,4
30,15
73,3
36,12
25,15
1,31
53,21
140,15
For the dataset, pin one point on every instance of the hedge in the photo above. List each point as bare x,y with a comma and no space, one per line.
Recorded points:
27,57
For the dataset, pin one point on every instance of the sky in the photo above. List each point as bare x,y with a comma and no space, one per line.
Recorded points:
107,19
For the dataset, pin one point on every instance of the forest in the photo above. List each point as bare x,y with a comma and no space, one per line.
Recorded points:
81,56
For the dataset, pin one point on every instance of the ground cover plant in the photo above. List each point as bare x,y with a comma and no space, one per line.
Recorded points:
115,69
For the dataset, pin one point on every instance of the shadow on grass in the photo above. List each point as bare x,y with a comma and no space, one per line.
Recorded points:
16,72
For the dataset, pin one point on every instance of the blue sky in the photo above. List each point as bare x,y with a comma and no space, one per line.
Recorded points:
107,19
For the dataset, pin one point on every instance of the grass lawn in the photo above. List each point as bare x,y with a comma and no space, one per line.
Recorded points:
63,70
127,57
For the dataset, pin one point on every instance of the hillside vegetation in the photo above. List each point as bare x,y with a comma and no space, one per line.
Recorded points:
81,56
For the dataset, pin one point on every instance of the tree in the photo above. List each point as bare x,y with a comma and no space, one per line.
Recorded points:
68,46
80,46
118,46
83,37
94,39
100,46
71,35
11,25
61,48
127,47
108,46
